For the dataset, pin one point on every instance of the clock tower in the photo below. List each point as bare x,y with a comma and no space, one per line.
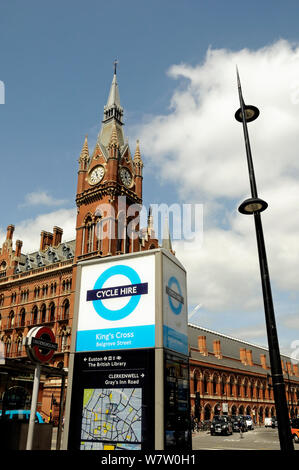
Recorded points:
109,191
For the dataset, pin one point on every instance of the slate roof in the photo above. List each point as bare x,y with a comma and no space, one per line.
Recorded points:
51,255
230,349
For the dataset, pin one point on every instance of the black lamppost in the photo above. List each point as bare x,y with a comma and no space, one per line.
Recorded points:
254,206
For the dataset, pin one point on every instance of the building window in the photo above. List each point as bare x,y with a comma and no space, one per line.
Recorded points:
11,319
19,345
205,384
43,313
22,317
8,347
1,300
52,311
65,309
45,290
34,315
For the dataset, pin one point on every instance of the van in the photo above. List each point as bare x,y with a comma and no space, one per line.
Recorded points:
268,422
295,429
21,415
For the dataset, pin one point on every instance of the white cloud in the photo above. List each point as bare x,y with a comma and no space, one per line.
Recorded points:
29,230
199,147
41,198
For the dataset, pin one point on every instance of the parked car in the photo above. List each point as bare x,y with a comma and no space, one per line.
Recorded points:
268,422
295,429
238,421
21,415
249,422
221,425
274,422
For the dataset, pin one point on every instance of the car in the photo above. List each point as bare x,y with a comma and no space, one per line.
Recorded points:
268,422
22,415
274,422
239,421
295,429
249,422
221,425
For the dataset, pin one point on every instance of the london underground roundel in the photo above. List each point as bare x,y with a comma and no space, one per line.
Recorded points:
40,344
175,298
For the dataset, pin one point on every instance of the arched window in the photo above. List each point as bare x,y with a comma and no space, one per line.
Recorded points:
43,311
8,347
11,319
222,385
246,387
230,387
22,317
65,309
88,234
19,345
205,382
215,381
238,387
34,315
52,311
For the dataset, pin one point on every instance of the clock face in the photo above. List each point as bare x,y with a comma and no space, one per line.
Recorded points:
125,176
96,175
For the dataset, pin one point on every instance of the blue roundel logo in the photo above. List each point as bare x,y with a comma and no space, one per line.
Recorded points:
175,303
113,315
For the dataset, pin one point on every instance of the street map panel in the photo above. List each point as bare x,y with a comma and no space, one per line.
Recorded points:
111,419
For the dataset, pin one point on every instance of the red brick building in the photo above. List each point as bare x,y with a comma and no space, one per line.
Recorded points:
231,376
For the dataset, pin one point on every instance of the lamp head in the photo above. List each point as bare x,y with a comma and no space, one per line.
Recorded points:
249,206
251,113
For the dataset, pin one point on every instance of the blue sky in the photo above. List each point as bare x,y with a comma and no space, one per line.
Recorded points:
176,68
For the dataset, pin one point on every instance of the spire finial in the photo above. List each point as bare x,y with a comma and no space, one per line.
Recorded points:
115,63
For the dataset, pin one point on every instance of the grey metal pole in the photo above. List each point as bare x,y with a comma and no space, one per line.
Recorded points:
33,407
61,408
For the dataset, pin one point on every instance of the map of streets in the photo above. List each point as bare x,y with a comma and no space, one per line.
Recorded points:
111,419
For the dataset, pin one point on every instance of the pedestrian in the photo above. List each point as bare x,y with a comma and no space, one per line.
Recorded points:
240,429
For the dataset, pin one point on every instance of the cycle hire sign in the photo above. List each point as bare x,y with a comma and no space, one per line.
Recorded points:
117,305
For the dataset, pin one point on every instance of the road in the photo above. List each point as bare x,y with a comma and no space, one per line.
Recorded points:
260,438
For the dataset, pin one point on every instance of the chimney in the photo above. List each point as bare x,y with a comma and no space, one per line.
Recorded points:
249,357
46,240
263,361
282,366
202,345
19,245
57,232
243,357
10,230
289,368
217,349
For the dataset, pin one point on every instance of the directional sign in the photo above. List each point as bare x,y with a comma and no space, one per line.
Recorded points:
40,344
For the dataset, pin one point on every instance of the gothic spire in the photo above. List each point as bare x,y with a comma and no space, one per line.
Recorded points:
166,241
84,155
113,108
113,116
137,156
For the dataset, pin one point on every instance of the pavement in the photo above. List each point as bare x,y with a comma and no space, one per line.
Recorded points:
260,438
